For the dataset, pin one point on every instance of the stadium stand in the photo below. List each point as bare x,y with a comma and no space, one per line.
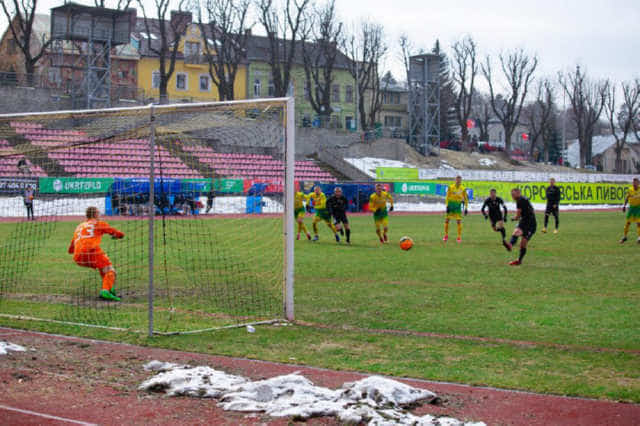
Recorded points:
9,165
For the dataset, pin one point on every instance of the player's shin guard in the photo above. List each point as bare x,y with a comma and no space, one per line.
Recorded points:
626,228
108,280
523,251
446,228
302,227
315,228
460,230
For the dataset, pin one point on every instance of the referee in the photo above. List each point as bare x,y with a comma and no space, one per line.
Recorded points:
494,203
337,205
553,201
526,225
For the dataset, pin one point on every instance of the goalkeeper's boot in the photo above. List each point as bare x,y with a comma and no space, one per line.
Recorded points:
515,262
544,230
507,245
623,240
445,238
315,238
337,238
106,295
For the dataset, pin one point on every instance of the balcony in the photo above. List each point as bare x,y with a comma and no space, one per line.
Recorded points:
196,61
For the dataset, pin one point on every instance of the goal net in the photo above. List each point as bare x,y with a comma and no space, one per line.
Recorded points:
199,191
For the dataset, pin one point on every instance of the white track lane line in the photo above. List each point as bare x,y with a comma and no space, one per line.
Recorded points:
46,416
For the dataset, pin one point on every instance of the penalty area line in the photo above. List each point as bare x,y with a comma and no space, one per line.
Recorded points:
45,416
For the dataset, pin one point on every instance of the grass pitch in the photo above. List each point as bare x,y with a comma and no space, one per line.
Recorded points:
564,322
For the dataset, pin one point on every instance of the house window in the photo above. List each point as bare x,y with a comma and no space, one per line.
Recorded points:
392,121
191,48
54,76
348,95
204,83
181,81
272,88
257,88
155,79
335,93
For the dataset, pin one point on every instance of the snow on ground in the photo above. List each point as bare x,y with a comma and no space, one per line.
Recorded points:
476,207
374,400
5,347
488,162
14,206
369,164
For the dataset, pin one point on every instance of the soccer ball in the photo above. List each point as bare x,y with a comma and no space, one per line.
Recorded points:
406,243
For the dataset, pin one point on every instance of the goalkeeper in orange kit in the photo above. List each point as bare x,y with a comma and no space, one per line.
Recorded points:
85,247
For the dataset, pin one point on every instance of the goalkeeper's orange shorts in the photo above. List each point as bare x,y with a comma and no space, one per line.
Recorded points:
94,258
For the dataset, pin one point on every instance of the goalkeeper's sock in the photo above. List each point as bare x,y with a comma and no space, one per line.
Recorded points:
626,228
108,280
523,251
504,234
315,228
446,228
514,240
348,231
546,220
460,230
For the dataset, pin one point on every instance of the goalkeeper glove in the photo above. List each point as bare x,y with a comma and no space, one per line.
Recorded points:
391,208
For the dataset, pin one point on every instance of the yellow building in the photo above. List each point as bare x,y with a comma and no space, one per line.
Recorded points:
190,80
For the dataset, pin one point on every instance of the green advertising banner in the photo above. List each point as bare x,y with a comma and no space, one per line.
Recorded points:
572,193
396,173
74,185
221,185
421,188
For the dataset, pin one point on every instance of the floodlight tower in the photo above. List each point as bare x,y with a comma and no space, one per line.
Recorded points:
83,37
424,103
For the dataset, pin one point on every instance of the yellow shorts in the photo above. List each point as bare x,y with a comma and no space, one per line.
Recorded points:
453,216
317,219
384,222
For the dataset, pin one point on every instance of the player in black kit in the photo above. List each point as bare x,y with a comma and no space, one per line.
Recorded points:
526,225
496,216
553,201
337,206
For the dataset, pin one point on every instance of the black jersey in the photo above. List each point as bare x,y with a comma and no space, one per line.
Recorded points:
527,213
337,205
553,195
494,208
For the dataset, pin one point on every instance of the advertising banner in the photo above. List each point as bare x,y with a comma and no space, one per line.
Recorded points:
16,185
74,185
420,188
396,173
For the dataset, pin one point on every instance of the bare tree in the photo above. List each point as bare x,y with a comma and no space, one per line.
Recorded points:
538,116
170,32
517,69
407,50
20,15
587,100
320,52
465,69
366,46
225,45
283,22
623,120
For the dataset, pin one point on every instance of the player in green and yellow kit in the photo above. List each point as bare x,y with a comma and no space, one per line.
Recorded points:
322,214
633,214
378,205
299,211
456,197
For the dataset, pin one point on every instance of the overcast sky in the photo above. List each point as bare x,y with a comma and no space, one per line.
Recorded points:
603,36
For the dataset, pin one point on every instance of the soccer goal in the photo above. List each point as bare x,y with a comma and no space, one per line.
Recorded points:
202,192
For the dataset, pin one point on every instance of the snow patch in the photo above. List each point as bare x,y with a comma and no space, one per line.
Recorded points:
373,400
488,162
5,347
369,164
14,206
